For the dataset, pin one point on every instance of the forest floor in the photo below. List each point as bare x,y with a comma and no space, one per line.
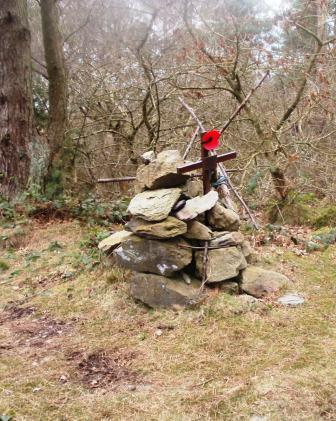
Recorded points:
74,346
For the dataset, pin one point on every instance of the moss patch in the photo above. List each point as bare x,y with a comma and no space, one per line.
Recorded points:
303,209
325,217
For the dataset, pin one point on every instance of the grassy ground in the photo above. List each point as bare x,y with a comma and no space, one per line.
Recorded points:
74,346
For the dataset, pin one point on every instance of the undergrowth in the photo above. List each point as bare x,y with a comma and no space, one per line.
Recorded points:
89,209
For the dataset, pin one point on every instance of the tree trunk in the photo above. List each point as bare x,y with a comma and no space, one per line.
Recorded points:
54,57
16,103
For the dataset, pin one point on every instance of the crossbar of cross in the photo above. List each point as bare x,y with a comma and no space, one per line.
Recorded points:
208,163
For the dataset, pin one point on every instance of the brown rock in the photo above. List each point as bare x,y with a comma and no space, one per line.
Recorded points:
260,282
221,218
161,172
198,231
161,292
248,252
223,263
193,188
231,288
168,228
234,238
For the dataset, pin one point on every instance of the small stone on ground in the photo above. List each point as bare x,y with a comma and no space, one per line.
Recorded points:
291,299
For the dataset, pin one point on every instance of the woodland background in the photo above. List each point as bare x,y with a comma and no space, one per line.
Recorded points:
87,86
98,84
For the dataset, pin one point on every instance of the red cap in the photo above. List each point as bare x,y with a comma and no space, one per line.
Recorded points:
210,140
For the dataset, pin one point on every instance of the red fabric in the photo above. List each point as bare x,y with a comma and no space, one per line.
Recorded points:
210,140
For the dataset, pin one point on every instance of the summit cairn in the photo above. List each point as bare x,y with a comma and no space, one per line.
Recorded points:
179,242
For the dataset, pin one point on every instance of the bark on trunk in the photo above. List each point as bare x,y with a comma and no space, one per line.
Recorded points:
54,57
16,103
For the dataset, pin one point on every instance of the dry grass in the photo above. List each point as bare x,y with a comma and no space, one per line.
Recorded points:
74,346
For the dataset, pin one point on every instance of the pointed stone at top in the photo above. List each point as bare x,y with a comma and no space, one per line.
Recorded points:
160,172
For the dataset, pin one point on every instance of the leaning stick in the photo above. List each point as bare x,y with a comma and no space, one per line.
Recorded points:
201,128
221,166
115,180
205,266
192,112
186,152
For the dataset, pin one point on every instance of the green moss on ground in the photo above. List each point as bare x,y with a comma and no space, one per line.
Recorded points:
303,209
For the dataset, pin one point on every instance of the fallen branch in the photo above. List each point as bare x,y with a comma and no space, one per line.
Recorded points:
115,180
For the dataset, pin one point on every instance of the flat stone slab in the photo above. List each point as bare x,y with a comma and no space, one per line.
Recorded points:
291,300
153,256
113,240
168,228
260,282
221,218
197,205
223,264
154,205
234,238
162,292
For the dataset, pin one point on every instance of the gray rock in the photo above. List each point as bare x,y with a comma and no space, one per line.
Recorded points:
148,157
223,263
260,282
168,228
197,205
221,218
113,240
161,172
198,231
246,303
193,188
153,256
154,205
228,287
161,292
291,300
250,255
234,238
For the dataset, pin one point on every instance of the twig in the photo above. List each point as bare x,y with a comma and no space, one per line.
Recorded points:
243,103
205,266
192,112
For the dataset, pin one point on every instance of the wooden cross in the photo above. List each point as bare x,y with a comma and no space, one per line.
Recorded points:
208,163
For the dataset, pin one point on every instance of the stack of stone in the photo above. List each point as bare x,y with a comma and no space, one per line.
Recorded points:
163,243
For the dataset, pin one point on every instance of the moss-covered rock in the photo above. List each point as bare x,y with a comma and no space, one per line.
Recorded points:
325,217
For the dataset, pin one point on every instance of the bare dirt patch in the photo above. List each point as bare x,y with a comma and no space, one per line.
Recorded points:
110,369
32,332
14,312
36,332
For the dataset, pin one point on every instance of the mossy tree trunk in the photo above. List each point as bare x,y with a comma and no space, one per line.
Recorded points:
54,57
16,103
